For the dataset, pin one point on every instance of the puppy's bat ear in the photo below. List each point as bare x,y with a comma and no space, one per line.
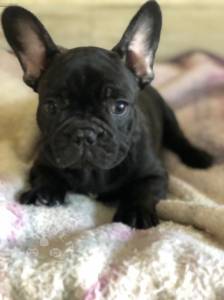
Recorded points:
30,41
139,43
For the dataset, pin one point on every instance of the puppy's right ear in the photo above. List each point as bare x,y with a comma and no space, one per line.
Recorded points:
30,41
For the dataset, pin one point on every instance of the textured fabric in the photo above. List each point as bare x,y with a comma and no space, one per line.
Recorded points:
75,252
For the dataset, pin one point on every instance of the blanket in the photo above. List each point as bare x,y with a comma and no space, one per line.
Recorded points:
74,251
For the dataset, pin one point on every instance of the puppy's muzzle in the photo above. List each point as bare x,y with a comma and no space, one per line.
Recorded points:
78,142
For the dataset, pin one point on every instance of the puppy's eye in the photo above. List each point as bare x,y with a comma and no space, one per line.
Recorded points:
50,107
119,107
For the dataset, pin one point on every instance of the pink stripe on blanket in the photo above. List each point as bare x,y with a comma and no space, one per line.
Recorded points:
120,232
101,285
12,220
18,212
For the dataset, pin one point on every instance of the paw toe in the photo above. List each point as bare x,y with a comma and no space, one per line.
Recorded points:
139,218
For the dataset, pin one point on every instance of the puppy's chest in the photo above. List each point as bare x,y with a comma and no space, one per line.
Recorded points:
96,182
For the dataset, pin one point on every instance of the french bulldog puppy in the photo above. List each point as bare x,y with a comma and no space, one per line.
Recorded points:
102,125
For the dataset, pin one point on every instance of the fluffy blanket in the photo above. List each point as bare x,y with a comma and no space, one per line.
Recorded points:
75,252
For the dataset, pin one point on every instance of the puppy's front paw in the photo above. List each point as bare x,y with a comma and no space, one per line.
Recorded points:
138,217
42,196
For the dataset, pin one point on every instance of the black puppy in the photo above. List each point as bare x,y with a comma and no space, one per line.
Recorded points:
102,125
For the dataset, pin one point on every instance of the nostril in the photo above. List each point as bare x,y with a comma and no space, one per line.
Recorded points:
77,140
78,137
91,138
101,134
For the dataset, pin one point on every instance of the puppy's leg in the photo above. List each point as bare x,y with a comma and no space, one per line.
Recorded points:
47,187
137,207
175,140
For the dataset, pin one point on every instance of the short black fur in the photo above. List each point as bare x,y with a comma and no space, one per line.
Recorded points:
103,127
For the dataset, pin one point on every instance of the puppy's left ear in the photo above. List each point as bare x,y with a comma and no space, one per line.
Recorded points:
139,43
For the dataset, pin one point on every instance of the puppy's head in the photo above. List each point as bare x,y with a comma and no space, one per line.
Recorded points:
87,95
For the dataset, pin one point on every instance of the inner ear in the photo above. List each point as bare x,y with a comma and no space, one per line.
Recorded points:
139,43
30,41
32,56
139,56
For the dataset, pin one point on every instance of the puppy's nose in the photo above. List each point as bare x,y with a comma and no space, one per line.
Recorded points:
87,137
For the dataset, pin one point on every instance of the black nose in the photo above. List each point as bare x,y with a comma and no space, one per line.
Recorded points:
85,136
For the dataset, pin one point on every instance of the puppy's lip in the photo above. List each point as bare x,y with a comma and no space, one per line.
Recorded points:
84,159
60,163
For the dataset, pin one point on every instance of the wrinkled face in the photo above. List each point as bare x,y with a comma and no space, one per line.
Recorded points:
87,95
87,109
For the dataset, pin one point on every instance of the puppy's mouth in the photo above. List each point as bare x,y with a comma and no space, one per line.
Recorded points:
78,145
83,157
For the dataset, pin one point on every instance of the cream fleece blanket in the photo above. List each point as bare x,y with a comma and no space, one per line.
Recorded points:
75,252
